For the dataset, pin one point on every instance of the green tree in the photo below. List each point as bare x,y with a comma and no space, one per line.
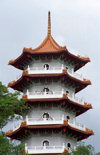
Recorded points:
7,147
83,149
66,153
10,104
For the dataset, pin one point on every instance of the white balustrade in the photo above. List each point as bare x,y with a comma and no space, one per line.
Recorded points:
74,74
76,125
44,94
19,76
16,125
43,149
49,121
76,99
44,121
53,70
45,70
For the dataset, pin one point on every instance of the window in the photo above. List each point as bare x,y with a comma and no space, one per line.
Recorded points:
46,66
46,90
69,145
67,117
66,67
45,143
67,92
46,116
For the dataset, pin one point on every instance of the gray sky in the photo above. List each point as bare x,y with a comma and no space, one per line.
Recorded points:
75,23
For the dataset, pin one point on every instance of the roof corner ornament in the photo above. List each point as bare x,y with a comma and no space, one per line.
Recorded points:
49,24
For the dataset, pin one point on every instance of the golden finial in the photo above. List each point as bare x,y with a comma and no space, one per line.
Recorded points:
49,24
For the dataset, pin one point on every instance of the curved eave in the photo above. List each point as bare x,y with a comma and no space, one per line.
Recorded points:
63,127
64,76
28,52
65,101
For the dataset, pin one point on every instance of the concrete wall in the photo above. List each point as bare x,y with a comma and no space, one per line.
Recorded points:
53,139
54,113
52,63
52,86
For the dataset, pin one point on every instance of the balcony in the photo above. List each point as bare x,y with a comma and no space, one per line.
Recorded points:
76,99
52,94
44,149
45,70
77,125
44,121
44,94
49,121
53,70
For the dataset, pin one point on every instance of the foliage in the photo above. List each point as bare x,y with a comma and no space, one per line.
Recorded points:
7,147
9,104
66,153
83,149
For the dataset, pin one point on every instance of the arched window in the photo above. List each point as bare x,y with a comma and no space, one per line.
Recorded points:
46,116
46,66
45,143
67,92
46,90
66,67
69,145
67,118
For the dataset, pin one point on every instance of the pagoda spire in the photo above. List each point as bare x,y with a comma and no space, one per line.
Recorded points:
49,24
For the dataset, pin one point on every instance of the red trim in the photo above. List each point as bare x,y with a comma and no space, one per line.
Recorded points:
28,51
64,76
64,127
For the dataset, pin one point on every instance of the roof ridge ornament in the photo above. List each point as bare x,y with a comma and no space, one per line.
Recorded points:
49,24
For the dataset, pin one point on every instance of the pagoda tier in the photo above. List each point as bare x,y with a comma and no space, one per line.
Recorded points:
76,105
49,83
66,127
51,50
66,78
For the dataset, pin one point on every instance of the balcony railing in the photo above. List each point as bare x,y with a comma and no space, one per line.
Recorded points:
32,121
77,125
53,70
44,149
52,94
45,70
44,121
44,94
76,75
76,99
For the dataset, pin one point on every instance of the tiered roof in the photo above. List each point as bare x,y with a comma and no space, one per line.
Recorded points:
64,128
50,47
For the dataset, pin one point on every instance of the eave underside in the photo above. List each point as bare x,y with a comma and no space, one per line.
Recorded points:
23,130
64,102
26,78
28,55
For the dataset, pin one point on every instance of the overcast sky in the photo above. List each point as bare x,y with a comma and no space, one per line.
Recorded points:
75,23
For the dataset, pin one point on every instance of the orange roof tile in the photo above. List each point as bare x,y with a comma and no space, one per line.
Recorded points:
49,45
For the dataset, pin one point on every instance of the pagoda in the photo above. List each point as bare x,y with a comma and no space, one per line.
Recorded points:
49,83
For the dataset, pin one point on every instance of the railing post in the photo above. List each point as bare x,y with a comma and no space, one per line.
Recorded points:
27,92
62,117
27,119
63,145
62,92
26,149
62,67
28,68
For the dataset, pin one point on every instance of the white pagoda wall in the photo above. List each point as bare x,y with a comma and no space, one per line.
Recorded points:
54,112
53,86
52,63
53,139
